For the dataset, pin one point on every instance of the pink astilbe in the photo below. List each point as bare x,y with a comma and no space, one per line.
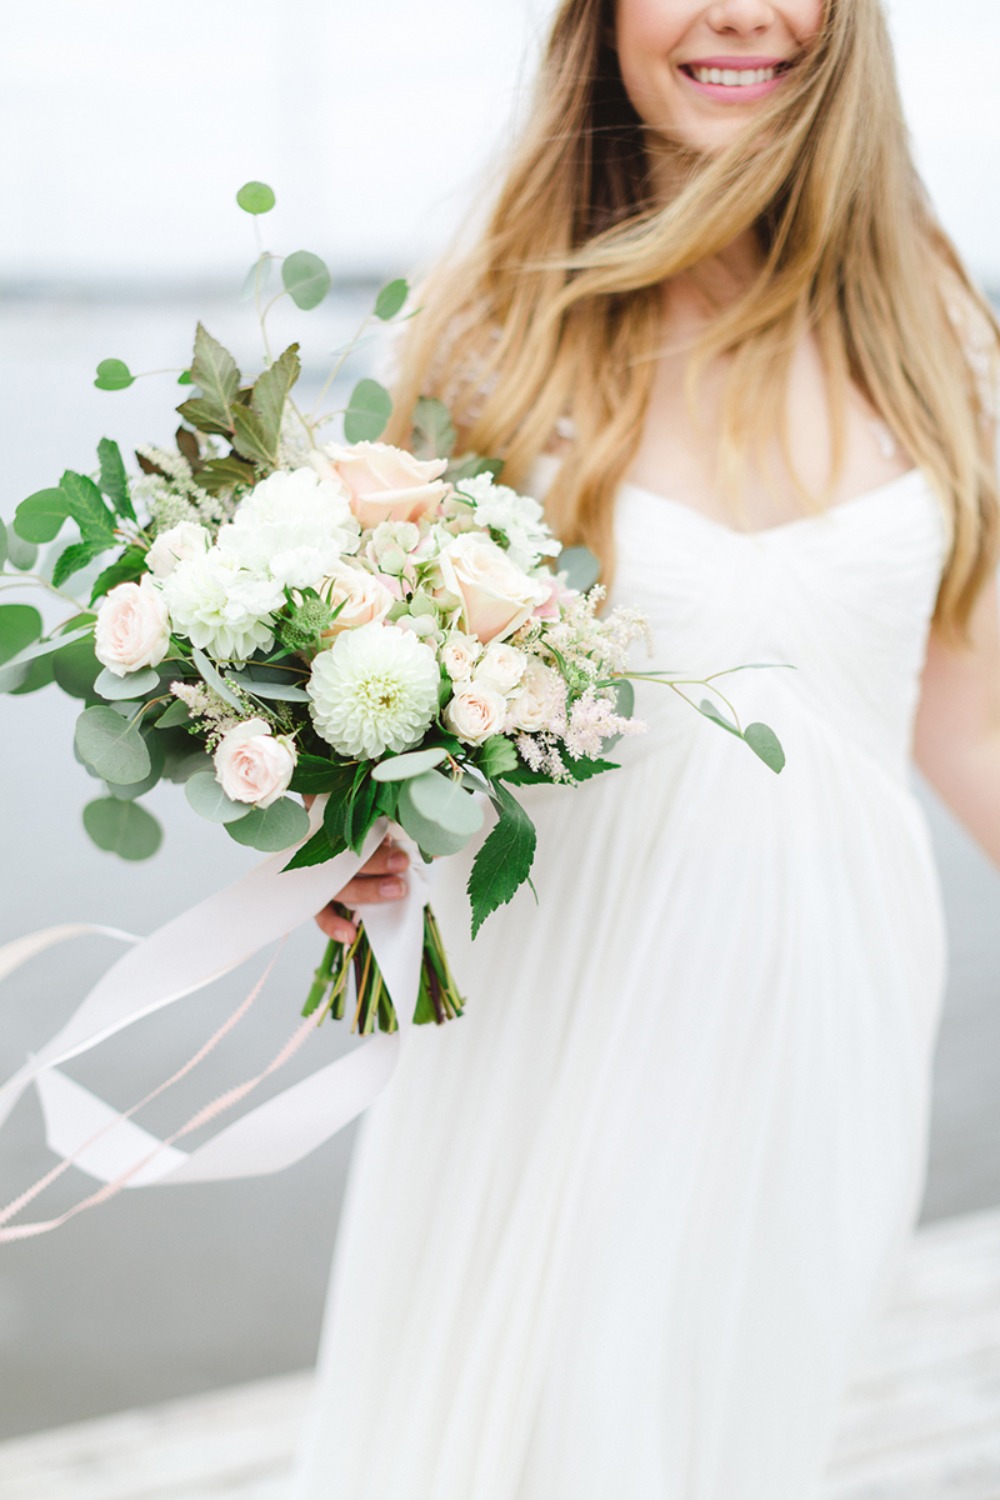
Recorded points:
592,720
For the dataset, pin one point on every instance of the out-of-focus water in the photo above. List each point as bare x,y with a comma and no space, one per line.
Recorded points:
180,1289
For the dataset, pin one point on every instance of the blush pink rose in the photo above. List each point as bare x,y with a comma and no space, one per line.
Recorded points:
384,483
497,596
475,713
556,594
251,765
133,628
363,597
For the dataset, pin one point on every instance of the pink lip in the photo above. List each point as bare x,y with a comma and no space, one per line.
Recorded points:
724,92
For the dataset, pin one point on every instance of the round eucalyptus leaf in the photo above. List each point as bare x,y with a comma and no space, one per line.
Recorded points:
209,800
368,411
581,567
20,626
184,758
306,278
111,746
427,835
390,299
37,674
132,789
39,518
413,763
122,828
113,375
20,554
76,668
256,198
272,828
132,685
765,744
438,799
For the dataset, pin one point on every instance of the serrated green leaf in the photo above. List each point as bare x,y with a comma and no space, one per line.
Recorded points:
122,828
85,505
316,851
114,480
209,800
503,862
205,417
113,375
215,373
273,828
250,439
256,198
20,627
391,298
40,517
434,434
497,756
129,567
580,769
412,763
368,412
111,746
74,557
221,473
270,392
306,278
765,745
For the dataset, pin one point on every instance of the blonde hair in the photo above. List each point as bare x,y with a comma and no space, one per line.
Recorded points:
556,308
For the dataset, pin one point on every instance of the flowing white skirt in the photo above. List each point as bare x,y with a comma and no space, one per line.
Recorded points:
617,1230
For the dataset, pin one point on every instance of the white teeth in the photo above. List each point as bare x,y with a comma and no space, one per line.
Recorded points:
734,78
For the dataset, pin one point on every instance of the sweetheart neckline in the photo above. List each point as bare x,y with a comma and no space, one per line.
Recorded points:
874,493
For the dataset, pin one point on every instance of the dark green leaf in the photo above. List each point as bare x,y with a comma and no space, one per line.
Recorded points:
130,566
368,412
272,828
111,746
39,518
306,278
391,298
250,439
360,814
765,744
314,774
122,828
256,198
203,415
85,505
221,473
434,433
503,862
315,852
270,392
114,480
581,770
184,378
215,373
20,626
113,375
74,557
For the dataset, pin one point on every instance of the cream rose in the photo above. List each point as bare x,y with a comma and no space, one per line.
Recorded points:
540,702
251,765
475,712
501,667
384,483
133,628
497,597
186,539
458,654
363,597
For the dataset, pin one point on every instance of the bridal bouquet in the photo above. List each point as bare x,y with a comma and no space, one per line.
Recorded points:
278,615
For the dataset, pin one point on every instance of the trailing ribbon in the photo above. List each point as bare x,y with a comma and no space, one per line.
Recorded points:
180,958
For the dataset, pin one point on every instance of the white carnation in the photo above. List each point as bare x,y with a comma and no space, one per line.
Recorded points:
223,609
375,689
186,539
518,517
293,527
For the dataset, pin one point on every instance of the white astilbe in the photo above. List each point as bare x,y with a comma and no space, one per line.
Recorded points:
175,495
375,689
206,707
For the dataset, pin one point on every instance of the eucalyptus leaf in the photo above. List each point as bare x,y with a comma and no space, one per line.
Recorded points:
12,674
215,681
434,434
40,517
306,278
412,763
174,716
273,828
209,800
256,198
128,791
368,412
391,299
36,675
75,666
86,505
708,708
20,627
581,567
74,558
256,280
122,828
282,692
112,746
113,375
429,836
132,685
765,745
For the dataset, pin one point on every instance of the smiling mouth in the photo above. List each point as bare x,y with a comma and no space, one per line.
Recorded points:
734,78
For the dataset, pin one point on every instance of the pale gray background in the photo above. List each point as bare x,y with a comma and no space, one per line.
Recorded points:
124,131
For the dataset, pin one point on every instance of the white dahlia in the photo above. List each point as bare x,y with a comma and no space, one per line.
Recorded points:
294,526
375,689
221,608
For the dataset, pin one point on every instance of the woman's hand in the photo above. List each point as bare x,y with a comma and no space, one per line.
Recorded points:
380,879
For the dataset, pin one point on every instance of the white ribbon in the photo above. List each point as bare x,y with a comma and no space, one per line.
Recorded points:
181,957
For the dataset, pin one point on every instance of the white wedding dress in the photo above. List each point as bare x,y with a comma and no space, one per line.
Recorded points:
615,1233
